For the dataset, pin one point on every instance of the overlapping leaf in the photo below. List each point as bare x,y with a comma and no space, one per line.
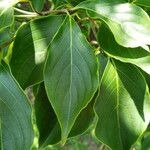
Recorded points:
30,49
137,56
16,130
129,23
70,75
47,122
122,107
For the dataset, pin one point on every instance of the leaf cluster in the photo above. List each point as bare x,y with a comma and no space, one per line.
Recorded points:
87,64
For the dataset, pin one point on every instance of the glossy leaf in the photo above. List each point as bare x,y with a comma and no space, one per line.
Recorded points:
30,49
16,130
137,56
122,107
129,23
38,5
70,75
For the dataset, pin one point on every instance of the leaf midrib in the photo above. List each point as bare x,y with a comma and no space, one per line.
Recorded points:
71,64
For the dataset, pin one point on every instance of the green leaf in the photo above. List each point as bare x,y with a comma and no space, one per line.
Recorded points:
5,36
6,13
70,70
138,56
45,117
122,107
145,142
87,116
47,122
16,129
38,5
1,54
129,23
30,49
145,3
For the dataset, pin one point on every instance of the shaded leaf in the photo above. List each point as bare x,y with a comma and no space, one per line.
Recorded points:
70,75
122,107
47,122
38,5
16,130
129,23
145,3
45,116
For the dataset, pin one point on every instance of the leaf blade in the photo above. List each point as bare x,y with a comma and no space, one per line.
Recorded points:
12,99
60,84
122,21
118,107
137,56
30,49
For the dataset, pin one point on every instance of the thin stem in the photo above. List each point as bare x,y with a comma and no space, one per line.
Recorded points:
24,12
26,16
61,11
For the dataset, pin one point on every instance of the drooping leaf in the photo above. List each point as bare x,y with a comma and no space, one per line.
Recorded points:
16,130
137,56
129,23
38,5
30,49
47,122
87,116
70,75
122,107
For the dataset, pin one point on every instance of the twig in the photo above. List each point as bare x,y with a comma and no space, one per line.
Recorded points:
26,16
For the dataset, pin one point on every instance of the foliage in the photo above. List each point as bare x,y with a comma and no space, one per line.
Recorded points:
87,63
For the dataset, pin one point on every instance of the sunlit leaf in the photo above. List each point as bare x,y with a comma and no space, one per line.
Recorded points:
30,49
137,56
129,23
122,107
